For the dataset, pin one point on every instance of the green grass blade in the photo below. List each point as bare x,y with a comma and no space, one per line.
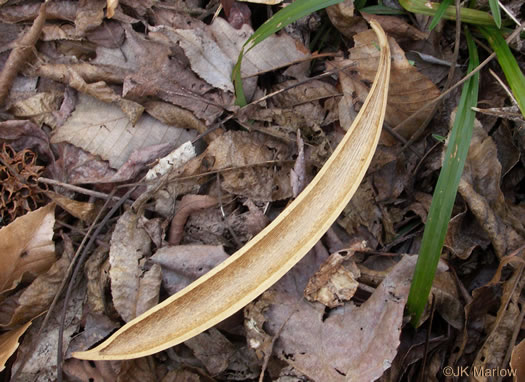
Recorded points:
440,12
496,12
284,17
508,63
471,16
382,10
445,192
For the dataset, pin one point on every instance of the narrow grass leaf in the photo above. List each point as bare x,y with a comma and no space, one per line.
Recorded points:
470,16
496,12
382,10
508,63
439,13
445,192
284,17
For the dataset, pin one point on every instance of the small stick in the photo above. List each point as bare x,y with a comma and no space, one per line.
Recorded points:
80,190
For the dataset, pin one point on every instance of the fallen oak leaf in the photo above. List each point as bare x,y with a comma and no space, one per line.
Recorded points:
273,252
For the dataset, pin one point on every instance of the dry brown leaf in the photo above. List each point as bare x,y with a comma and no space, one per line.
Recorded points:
21,53
63,10
238,148
397,27
318,346
41,364
82,210
76,166
336,280
9,343
92,371
131,288
409,89
27,246
103,129
272,253
182,264
480,187
465,234
38,108
218,46
36,298
167,76
90,14
363,211
493,352
517,360
342,17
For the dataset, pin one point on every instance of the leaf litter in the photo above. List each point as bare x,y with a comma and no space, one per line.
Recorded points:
118,85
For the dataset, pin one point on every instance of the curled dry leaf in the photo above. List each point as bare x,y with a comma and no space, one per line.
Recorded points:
21,53
493,352
480,187
336,280
9,343
187,205
27,246
409,89
270,254
129,286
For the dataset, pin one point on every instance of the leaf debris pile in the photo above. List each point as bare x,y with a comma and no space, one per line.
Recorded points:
94,94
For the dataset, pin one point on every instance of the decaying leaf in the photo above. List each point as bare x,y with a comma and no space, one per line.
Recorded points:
133,290
493,352
517,361
27,246
314,344
42,364
409,89
480,187
39,108
103,129
183,264
9,343
81,210
269,255
36,298
218,47
336,280
250,151
187,205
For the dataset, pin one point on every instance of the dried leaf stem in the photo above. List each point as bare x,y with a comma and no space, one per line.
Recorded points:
269,255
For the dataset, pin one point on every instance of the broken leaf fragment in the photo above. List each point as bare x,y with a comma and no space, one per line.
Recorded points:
269,255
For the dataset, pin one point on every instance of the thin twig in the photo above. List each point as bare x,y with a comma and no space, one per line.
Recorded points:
78,189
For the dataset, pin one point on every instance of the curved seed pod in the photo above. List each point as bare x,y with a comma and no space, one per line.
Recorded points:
269,255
